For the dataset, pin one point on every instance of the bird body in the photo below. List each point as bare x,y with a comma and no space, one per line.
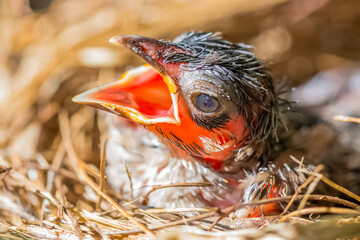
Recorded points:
206,111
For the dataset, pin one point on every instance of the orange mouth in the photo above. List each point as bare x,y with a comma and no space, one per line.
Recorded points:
140,94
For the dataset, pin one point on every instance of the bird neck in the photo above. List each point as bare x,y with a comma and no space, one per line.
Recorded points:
225,149
234,164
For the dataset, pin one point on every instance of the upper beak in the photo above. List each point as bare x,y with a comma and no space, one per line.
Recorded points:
151,50
146,94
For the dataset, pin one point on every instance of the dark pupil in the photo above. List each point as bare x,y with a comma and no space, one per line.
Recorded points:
207,103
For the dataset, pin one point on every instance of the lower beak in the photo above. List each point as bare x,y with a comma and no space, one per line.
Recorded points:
146,94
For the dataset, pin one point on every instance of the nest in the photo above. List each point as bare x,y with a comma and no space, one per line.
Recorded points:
52,162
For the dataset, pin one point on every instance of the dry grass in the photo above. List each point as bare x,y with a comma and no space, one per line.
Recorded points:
51,167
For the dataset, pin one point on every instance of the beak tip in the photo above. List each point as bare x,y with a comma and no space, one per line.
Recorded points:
76,99
116,40
123,40
81,98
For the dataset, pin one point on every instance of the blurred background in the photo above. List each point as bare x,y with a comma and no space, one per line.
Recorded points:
50,50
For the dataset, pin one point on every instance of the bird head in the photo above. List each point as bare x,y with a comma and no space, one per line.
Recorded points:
204,96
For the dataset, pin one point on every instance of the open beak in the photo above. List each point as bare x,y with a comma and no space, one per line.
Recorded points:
146,94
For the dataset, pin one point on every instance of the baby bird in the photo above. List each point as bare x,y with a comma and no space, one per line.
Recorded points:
205,110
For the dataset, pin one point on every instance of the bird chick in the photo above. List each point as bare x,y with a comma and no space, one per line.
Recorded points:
205,110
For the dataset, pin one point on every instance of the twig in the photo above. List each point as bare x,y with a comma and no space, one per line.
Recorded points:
150,216
100,232
343,118
20,180
48,187
340,188
92,171
310,190
74,223
48,112
194,184
178,210
58,158
300,162
215,223
4,171
65,133
334,200
64,209
102,171
334,185
166,225
108,223
318,210
284,199
130,179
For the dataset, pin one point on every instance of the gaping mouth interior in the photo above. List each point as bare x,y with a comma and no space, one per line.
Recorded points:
141,94
146,93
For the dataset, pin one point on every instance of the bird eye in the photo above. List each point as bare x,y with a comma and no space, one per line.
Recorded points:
207,103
